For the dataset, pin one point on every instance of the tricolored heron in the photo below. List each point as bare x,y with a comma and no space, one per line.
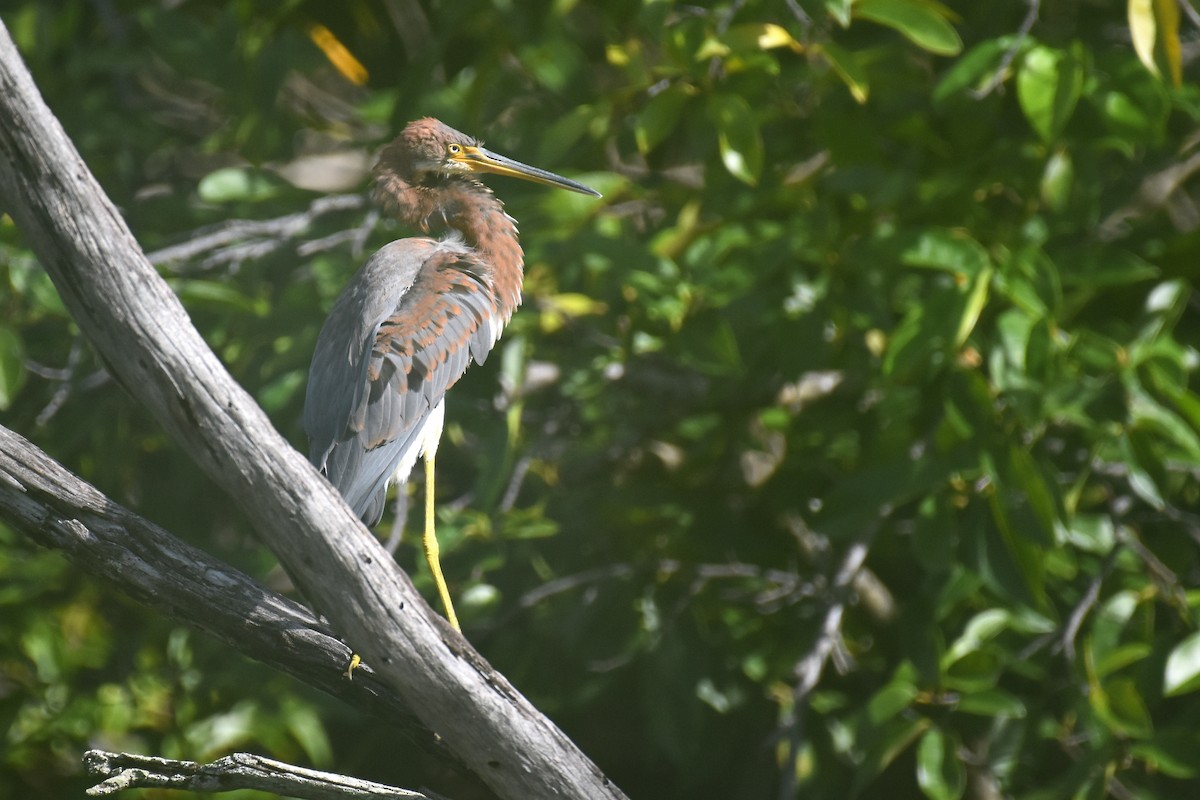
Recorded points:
408,324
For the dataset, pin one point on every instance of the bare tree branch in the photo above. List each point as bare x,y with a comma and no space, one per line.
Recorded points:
141,330
58,510
237,771
808,670
240,240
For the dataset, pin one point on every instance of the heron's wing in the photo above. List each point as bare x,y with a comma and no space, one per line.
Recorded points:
408,360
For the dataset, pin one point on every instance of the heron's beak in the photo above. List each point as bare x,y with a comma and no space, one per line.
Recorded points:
477,159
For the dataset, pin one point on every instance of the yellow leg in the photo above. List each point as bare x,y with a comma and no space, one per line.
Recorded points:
431,545
355,660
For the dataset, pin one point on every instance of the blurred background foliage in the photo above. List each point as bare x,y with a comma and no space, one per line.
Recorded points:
886,280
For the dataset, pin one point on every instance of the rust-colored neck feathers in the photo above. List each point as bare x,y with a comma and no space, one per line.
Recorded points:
434,202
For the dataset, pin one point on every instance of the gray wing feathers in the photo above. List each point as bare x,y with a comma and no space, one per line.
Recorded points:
400,335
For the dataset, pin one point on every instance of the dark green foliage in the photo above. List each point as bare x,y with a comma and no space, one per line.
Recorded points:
866,274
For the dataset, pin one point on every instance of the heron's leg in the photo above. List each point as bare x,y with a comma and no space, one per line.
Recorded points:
431,545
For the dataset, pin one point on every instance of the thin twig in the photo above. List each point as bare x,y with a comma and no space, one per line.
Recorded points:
1085,605
237,771
997,78
808,670
1162,575
1191,12
566,584
63,377
240,240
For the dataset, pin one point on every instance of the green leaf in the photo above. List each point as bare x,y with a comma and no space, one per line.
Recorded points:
738,136
848,67
12,366
218,295
973,307
1057,179
659,118
1091,532
1036,492
840,10
893,698
891,740
1120,657
1025,559
940,773
923,22
1182,674
1120,706
1048,87
238,184
1110,622
953,251
976,66
1171,753
981,628
1108,266
992,703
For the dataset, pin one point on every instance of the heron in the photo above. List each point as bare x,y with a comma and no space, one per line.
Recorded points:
417,313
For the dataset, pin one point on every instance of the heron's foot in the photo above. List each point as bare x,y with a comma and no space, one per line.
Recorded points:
355,660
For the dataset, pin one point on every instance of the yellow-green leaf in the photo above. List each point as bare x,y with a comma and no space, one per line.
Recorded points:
923,22
973,307
1048,87
1167,12
846,65
1144,29
660,116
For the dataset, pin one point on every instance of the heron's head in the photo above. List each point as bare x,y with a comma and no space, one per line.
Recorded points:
427,149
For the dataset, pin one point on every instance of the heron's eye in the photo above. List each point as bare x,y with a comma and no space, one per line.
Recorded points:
453,149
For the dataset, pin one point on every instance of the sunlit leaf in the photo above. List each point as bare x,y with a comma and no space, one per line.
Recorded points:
738,136
1144,29
1182,673
1048,86
1154,24
840,10
940,772
1057,180
973,307
1167,12
924,22
233,184
951,250
338,54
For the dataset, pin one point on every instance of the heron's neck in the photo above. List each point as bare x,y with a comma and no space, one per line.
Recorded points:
470,208
479,216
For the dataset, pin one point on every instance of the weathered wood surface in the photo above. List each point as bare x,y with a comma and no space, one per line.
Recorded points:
123,771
